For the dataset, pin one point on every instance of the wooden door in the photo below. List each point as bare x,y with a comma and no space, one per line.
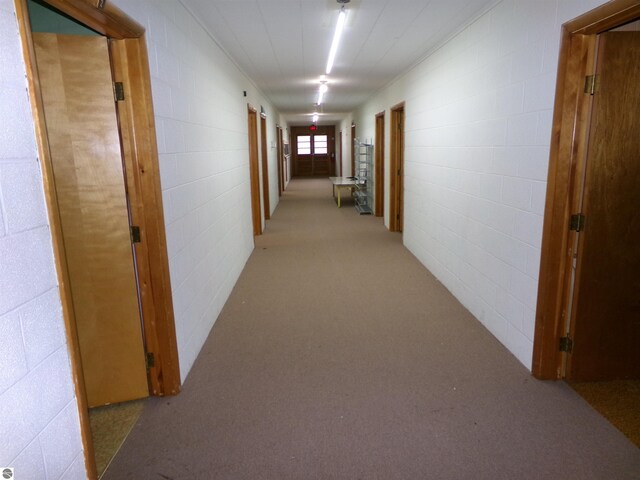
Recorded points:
279,161
379,167
606,321
313,151
396,193
322,143
254,173
77,91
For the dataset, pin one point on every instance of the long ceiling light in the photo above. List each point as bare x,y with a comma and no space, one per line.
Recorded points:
336,38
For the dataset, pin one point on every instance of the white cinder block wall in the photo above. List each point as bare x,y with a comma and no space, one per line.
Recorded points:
38,412
477,132
201,121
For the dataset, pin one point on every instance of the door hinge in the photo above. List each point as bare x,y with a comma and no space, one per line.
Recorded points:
577,222
135,234
150,360
118,91
591,84
566,344
101,4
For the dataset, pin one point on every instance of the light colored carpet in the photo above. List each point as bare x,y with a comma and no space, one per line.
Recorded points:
339,356
110,426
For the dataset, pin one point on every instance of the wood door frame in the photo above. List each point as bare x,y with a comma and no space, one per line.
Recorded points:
280,160
340,147
130,65
353,150
297,131
396,164
566,165
254,170
265,166
379,165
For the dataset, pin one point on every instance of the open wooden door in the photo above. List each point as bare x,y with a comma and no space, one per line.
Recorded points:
82,127
605,325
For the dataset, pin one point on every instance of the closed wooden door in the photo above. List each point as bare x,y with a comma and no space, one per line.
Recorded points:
379,167
77,90
606,321
322,152
314,151
254,172
396,190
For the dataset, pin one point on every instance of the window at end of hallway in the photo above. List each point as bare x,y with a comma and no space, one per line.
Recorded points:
304,145
320,144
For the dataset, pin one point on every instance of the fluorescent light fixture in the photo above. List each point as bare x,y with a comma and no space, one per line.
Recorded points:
321,91
314,119
336,40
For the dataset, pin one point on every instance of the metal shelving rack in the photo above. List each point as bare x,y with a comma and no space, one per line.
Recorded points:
364,177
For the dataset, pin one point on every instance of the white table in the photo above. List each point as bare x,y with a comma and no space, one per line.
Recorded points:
340,183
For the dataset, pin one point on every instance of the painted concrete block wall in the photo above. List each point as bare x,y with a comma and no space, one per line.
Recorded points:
38,410
477,135
201,121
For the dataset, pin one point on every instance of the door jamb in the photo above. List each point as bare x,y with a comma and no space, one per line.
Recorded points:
137,130
568,145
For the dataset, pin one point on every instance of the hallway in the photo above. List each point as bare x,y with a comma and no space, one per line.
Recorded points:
339,356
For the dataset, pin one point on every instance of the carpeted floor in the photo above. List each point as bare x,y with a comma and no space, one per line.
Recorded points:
110,426
339,356
618,401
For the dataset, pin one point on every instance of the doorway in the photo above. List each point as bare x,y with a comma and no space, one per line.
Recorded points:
353,149
571,171
254,172
587,329
313,151
340,149
280,160
265,166
379,168
94,149
396,167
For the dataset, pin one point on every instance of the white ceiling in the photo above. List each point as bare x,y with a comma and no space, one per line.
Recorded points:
283,45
